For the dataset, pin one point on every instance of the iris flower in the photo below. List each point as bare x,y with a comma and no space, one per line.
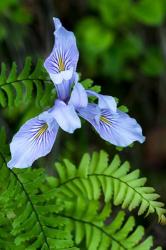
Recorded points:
37,136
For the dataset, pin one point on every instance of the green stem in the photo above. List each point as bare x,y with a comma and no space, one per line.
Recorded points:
27,79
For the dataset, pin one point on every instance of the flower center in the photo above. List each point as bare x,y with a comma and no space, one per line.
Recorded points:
41,131
105,120
61,64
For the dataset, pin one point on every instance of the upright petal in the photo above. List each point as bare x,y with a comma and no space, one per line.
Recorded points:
104,101
62,62
34,140
78,96
64,89
66,116
117,128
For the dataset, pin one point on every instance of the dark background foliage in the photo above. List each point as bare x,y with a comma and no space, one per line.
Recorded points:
122,47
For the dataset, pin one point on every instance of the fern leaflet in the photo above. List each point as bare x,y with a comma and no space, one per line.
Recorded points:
19,89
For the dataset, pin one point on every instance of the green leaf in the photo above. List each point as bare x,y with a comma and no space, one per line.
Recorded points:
149,13
89,36
153,64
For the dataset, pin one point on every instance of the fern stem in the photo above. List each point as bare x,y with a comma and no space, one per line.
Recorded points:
27,79
29,199
92,225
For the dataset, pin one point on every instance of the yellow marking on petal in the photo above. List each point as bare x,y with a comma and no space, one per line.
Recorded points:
41,131
61,64
105,120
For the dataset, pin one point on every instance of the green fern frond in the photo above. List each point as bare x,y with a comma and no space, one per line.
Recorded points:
16,89
6,239
31,208
114,180
95,229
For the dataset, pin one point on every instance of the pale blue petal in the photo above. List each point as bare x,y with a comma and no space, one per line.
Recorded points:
58,78
57,23
90,113
66,116
104,101
117,128
64,90
30,143
122,130
78,96
62,62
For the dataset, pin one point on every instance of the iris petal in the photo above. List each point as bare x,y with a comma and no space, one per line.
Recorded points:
90,113
64,89
62,62
104,101
78,96
66,116
117,128
34,140
58,78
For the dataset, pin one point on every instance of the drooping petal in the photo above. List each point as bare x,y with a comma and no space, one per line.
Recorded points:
117,128
66,116
34,140
78,96
104,101
90,113
62,62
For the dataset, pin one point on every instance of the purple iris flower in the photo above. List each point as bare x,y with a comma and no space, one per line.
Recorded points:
37,136
62,62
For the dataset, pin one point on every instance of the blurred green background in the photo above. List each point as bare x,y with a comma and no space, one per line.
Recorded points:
122,47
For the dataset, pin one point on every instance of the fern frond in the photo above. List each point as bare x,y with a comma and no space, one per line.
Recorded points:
17,89
95,229
6,239
114,180
31,208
